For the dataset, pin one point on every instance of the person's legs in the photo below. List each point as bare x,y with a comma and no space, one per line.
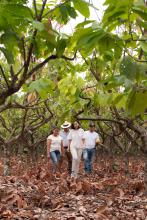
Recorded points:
55,157
74,154
91,157
69,160
58,155
86,159
79,154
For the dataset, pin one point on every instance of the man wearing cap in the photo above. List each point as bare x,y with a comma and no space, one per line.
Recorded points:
64,133
91,139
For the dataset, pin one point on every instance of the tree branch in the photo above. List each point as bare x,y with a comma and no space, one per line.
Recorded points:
35,8
100,119
6,81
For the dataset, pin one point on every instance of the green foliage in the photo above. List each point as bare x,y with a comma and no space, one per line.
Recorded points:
82,7
136,102
128,68
111,54
42,86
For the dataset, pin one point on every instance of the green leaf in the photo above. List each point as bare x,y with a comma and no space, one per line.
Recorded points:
16,11
64,13
141,11
8,55
71,11
42,86
9,39
38,25
61,47
82,7
73,90
144,46
128,68
84,23
136,103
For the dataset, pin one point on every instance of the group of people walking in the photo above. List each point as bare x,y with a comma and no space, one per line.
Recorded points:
73,142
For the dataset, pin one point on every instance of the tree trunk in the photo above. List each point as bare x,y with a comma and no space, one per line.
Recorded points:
6,170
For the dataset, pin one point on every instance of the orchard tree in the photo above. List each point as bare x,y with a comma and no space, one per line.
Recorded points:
29,39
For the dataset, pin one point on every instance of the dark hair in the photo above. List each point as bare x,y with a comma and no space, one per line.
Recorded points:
91,124
53,128
72,125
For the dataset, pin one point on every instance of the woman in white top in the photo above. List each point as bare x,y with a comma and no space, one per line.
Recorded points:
76,143
54,147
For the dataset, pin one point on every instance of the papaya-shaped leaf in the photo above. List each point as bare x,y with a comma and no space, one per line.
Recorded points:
82,7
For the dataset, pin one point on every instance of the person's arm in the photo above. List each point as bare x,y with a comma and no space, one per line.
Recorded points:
83,138
69,143
69,138
62,148
83,141
48,147
97,141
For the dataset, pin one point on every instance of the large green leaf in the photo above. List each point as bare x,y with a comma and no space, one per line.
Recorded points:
38,25
16,11
61,47
144,46
42,86
64,13
136,103
141,11
82,7
8,55
128,68
9,39
71,11
14,15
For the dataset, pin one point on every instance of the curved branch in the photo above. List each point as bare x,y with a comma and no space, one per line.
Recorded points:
100,119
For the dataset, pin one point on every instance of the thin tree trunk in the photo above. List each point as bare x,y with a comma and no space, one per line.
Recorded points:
6,170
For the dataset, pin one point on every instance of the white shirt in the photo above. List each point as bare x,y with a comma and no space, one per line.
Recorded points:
76,137
55,142
64,135
90,139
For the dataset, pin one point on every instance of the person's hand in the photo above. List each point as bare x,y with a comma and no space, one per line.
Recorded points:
97,141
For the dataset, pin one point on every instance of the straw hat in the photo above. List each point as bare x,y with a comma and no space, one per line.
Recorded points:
66,124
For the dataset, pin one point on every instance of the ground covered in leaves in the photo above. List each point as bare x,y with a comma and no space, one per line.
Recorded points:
32,192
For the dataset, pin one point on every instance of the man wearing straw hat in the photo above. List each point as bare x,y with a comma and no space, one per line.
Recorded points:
64,133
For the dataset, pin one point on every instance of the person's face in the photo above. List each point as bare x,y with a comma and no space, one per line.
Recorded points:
66,129
92,128
56,132
76,125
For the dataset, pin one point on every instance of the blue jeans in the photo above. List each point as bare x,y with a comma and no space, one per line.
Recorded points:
88,155
55,157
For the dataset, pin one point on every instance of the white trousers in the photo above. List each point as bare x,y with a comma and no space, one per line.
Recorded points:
76,158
